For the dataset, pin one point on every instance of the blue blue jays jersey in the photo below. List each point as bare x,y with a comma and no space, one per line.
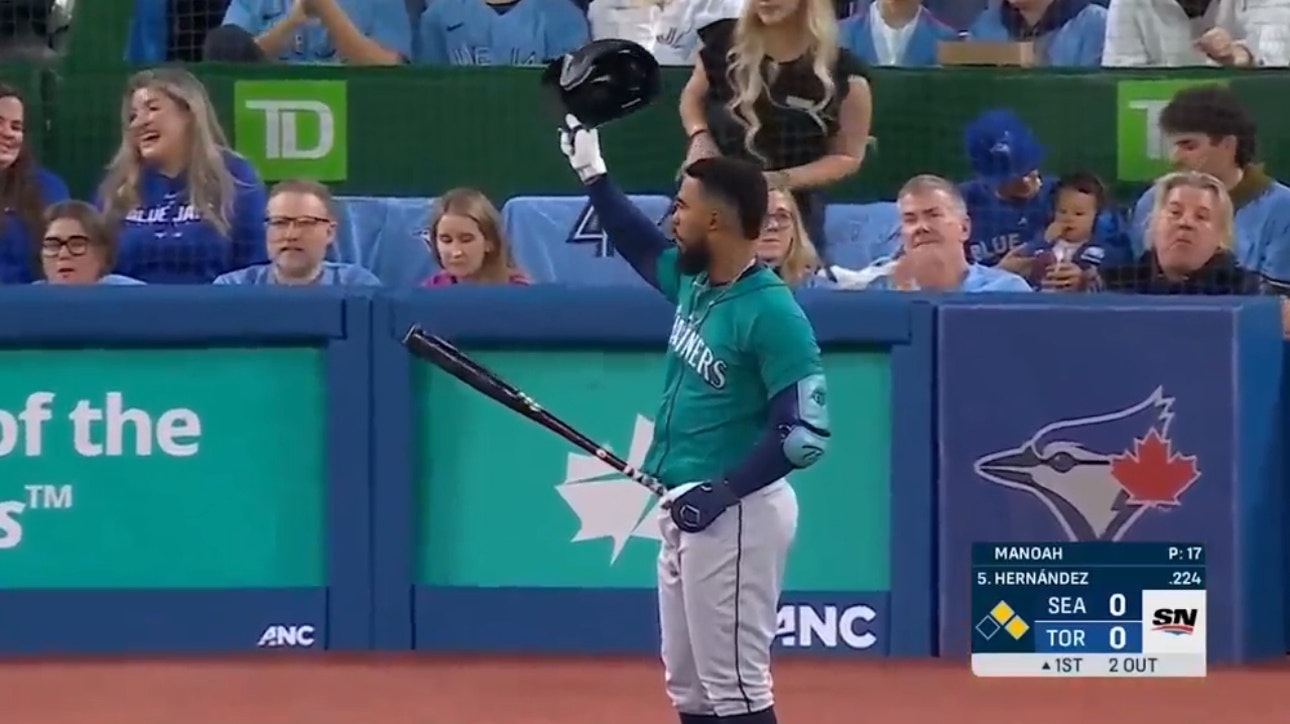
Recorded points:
383,21
166,241
472,32
999,225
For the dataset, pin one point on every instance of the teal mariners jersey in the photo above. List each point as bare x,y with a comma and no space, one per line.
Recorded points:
733,347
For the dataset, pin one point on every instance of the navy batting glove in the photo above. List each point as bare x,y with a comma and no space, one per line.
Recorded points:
696,509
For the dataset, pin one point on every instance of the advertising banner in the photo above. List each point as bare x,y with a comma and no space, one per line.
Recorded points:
155,472
527,544
1064,424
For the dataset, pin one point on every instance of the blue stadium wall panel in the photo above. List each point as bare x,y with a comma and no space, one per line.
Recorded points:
196,621
1105,380
440,619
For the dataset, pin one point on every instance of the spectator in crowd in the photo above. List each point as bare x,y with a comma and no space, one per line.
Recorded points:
25,190
1175,33
187,207
808,127
1190,225
78,247
784,244
934,229
499,32
1010,202
1086,232
26,30
466,239
300,226
1209,130
1065,32
895,33
667,28
356,32
171,30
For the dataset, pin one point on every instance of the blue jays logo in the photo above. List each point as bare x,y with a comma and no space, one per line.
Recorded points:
1003,146
1099,475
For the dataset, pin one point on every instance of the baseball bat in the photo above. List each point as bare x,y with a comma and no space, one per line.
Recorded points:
445,356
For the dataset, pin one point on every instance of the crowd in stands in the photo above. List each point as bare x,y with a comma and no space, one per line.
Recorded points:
908,33
177,205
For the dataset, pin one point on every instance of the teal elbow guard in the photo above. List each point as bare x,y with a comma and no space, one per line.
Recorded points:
807,438
803,445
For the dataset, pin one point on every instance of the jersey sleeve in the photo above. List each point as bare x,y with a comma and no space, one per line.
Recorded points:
784,343
668,275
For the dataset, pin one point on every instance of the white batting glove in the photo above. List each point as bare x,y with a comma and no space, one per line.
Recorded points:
582,147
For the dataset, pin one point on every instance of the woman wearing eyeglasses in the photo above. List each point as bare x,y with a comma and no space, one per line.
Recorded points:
78,247
785,245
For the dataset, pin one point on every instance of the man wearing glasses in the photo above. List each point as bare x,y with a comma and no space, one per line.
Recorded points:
301,224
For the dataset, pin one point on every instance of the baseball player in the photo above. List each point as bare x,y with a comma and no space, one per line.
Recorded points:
744,405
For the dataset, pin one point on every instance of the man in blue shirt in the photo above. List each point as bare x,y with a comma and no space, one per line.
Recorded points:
356,32
1066,33
934,228
499,32
301,225
895,33
1209,130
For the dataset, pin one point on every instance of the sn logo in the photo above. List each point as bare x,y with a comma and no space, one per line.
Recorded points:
278,636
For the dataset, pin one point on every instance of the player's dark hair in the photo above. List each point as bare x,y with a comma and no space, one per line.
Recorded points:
1215,111
1085,183
737,183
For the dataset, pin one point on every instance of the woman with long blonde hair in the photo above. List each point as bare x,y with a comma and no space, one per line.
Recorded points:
775,87
785,245
186,206
467,242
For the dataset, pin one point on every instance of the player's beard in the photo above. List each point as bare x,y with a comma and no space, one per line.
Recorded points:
693,259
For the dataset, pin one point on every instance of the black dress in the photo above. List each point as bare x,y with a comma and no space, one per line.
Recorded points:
789,136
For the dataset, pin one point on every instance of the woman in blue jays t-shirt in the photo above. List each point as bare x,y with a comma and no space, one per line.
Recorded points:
187,207
25,191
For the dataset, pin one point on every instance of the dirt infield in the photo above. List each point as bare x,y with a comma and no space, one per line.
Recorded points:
390,690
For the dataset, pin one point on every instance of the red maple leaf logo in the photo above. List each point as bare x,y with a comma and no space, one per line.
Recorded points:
1152,473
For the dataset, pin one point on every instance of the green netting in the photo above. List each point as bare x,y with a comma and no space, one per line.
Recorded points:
417,131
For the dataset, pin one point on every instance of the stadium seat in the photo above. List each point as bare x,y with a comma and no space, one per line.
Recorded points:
385,235
559,239
859,234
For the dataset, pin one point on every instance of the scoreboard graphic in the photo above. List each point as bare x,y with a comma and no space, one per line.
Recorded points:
1093,609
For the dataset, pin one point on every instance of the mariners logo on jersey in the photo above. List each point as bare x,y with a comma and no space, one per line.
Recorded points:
688,345
1099,475
607,504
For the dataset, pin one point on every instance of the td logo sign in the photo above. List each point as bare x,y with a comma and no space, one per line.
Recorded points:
290,128
1142,154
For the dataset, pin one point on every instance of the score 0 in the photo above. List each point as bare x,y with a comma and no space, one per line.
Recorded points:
1116,606
1186,553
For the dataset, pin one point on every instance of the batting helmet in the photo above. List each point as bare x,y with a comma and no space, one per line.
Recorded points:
603,80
